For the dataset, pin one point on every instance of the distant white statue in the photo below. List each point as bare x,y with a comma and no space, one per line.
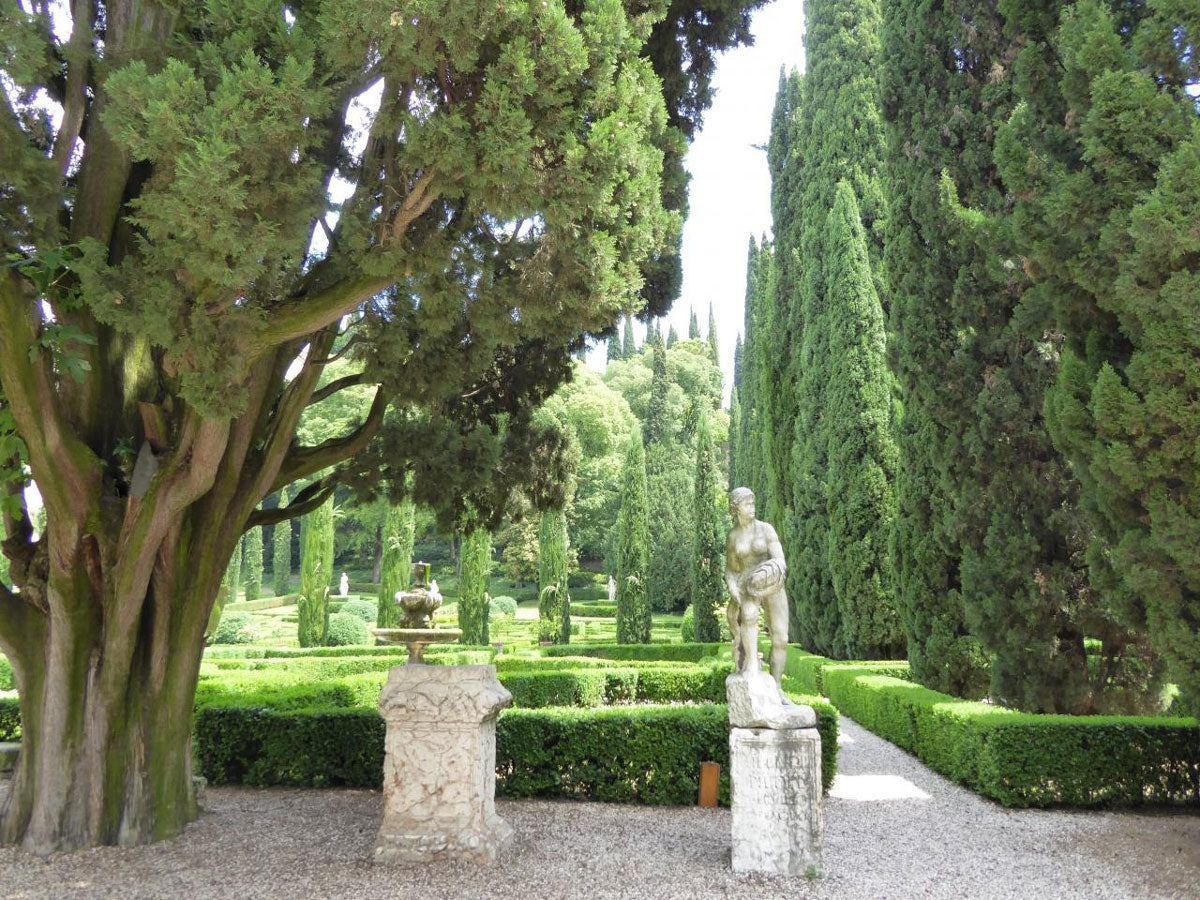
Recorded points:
612,589
344,586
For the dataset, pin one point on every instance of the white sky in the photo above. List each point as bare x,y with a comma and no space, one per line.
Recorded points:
731,188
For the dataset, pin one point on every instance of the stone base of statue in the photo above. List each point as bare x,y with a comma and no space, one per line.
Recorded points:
775,767
439,774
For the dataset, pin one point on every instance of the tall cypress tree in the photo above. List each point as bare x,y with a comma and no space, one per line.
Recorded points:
473,599
554,600
399,533
707,581
1102,157
613,348
839,135
693,326
281,554
228,592
253,542
656,424
316,574
861,451
736,474
918,86
757,373
714,351
633,548
628,342
672,337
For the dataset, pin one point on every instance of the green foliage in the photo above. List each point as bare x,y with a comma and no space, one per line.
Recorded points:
1022,759
281,555
633,547
656,425
345,629
473,599
367,610
399,532
10,719
807,670
232,629
503,606
7,682
640,651
628,342
253,563
707,579
670,484
594,609
554,598
861,453
1102,156
316,573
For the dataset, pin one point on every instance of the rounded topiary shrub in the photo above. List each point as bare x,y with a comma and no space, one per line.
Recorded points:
503,606
367,610
234,629
345,629
687,628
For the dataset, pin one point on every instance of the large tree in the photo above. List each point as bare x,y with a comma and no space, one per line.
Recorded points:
281,554
253,562
633,548
1102,156
708,556
473,600
169,315
554,598
316,575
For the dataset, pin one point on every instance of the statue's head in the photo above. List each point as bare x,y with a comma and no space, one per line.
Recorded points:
739,498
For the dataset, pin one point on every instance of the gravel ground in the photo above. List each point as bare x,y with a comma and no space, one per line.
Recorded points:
893,829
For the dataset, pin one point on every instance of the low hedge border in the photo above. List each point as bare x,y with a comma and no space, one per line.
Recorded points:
671,652
645,754
1022,759
597,610
262,603
808,669
250,652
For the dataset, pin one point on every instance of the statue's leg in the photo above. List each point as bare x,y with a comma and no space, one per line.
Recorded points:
732,611
748,632
777,619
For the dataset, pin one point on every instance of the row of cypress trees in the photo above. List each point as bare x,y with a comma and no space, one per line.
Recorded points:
967,393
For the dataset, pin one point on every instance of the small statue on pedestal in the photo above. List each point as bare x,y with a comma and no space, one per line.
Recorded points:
754,572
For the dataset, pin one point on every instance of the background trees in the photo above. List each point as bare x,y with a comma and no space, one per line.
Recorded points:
633,548
554,599
316,575
473,599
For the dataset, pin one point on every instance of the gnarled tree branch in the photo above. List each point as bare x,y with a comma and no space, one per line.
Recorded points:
302,504
338,384
303,461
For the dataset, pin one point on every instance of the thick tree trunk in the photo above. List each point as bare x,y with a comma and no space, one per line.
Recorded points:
106,714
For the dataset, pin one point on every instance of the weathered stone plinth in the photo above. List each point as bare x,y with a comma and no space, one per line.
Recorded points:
778,826
439,775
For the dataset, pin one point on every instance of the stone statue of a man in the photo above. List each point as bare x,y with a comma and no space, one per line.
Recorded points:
754,571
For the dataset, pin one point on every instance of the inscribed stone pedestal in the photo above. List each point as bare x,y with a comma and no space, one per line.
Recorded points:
754,701
778,826
439,774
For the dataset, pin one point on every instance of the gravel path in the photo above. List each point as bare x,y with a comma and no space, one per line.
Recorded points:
893,829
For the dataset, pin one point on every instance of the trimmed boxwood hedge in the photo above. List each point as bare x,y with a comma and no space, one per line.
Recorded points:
262,603
672,652
435,650
808,669
643,754
598,610
1021,759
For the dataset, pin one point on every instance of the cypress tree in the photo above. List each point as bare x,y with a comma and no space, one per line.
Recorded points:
757,372
672,337
281,555
613,348
838,135
693,326
736,474
656,424
554,600
228,592
737,362
917,88
1102,157
399,533
861,451
707,581
473,598
253,542
714,351
633,548
779,316
316,574
629,342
